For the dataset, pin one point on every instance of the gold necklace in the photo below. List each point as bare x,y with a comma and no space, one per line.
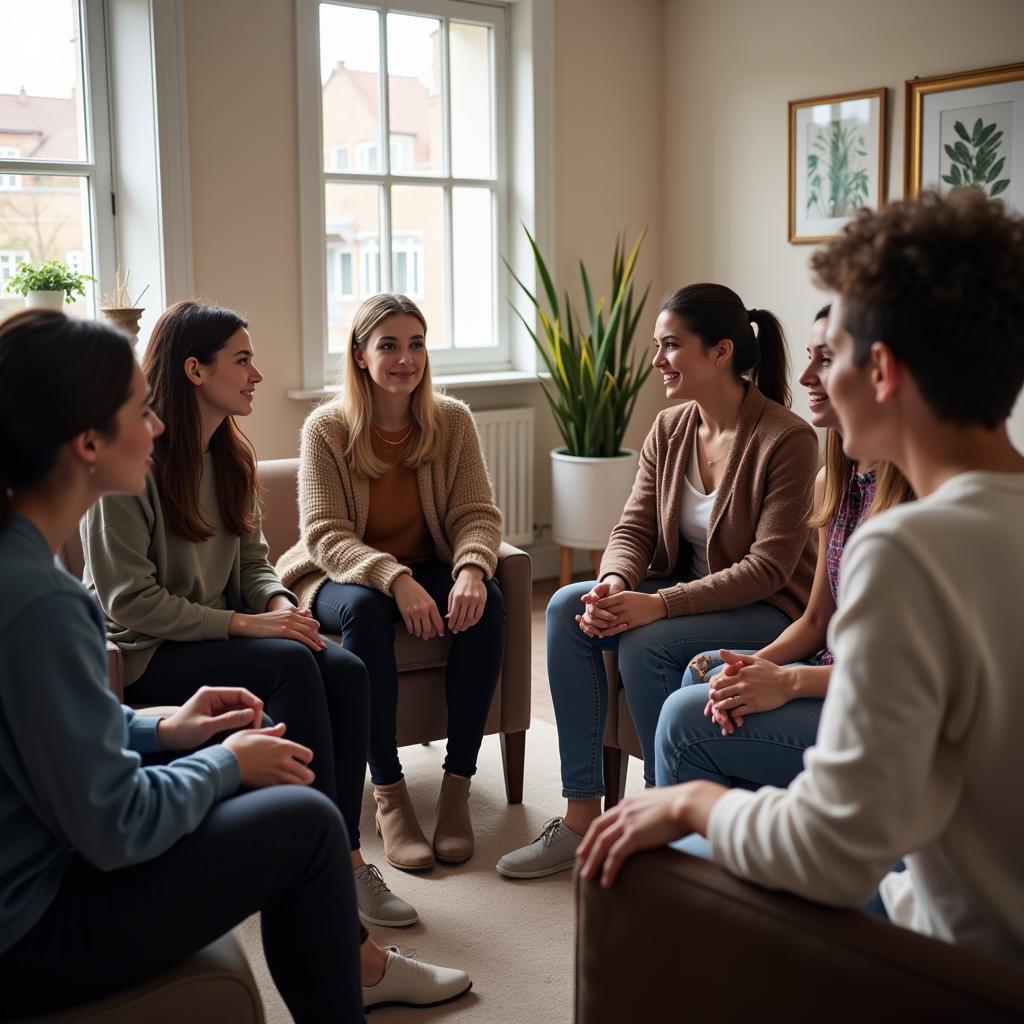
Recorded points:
392,443
717,458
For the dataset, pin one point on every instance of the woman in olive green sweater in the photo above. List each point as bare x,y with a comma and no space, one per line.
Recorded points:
181,573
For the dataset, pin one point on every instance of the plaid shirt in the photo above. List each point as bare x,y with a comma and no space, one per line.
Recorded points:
853,509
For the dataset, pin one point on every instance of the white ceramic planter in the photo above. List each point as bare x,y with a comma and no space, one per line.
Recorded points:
45,300
587,497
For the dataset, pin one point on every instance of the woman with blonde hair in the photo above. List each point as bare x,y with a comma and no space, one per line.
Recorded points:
757,711
398,524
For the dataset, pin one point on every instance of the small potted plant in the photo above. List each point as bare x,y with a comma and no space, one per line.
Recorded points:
119,308
48,285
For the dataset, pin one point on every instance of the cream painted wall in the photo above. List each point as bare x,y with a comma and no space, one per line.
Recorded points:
731,67
242,131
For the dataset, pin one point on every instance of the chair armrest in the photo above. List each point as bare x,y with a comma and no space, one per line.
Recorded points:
717,948
115,671
514,575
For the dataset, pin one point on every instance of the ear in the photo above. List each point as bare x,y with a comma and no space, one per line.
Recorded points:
193,370
86,447
722,352
358,357
887,373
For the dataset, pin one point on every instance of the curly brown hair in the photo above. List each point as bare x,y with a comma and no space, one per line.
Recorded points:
941,282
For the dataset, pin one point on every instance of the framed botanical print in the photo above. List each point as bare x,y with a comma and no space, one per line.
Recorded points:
836,161
967,130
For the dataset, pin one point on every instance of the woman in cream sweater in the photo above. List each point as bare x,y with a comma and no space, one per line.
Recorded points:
398,524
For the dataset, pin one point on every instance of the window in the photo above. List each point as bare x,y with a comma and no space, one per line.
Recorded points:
426,212
55,173
341,158
9,182
9,260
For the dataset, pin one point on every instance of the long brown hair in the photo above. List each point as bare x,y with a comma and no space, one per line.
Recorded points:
891,486
191,329
427,437
714,312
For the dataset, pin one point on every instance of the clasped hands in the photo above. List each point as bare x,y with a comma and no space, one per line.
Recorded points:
610,609
747,684
264,757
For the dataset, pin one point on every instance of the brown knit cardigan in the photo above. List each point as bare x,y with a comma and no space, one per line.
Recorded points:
759,545
334,502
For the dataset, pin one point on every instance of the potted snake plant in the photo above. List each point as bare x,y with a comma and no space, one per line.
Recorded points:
593,382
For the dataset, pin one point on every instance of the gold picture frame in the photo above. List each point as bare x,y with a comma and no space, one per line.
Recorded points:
837,149
967,129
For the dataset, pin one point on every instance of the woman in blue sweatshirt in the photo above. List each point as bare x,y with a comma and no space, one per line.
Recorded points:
97,845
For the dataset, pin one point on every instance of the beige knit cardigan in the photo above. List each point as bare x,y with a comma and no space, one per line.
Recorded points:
759,545
334,502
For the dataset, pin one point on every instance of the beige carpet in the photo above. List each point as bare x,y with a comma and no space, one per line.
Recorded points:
514,938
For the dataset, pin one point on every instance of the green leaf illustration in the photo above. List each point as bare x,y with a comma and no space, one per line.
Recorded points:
974,158
1000,186
961,131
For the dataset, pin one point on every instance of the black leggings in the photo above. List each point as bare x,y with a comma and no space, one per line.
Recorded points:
282,851
365,618
323,699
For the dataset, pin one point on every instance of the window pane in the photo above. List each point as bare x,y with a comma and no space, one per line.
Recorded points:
473,268
46,218
417,253
350,77
42,115
353,255
469,57
414,95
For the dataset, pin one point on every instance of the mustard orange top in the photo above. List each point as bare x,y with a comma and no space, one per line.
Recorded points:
395,522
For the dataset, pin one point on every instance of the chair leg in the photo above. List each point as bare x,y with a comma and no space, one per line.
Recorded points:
513,762
616,763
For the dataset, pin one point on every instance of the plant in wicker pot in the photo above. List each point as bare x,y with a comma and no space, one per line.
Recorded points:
595,379
48,285
119,308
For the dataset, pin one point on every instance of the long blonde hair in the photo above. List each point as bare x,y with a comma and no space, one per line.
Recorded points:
891,486
428,436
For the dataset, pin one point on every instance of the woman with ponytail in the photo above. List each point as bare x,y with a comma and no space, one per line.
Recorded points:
712,545
746,717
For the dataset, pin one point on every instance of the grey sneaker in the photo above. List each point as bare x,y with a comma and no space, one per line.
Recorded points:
552,851
377,903
409,982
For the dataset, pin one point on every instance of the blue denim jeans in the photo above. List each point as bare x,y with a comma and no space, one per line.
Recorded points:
652,660
767,750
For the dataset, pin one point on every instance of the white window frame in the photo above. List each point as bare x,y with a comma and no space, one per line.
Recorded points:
412,250
369,267
321,368
96,165
9,260
338,153
9,182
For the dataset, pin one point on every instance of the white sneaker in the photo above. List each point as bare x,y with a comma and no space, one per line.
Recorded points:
552,851
377,903
409,982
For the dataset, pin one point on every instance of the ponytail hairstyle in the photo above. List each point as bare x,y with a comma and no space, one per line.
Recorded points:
891,486
191,329
427,434
714,312
58,378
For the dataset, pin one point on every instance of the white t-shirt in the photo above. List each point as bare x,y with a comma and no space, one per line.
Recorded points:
695,515
919,751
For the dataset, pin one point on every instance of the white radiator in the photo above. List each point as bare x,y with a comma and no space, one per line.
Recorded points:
506,436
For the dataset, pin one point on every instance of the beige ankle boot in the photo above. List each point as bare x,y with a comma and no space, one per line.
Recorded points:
453,834
405,845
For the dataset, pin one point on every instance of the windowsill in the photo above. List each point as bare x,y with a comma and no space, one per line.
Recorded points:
461,381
